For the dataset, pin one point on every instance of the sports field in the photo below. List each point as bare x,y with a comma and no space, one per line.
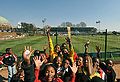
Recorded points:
38,42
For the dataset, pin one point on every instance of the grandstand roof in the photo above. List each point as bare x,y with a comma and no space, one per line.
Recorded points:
4,23
3,20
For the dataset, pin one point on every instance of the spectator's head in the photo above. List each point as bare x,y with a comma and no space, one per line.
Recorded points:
87,60
58,61
37,53
96,62
80,61
63,46
57,48
9,50
50,72
42,54
65,51
67,62
103,65
109,62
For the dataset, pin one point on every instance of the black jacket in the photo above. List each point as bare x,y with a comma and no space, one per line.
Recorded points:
28,72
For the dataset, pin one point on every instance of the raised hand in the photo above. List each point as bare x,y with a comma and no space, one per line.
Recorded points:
98,51
87,44
27,53
68,40
48,29
38,62
74,68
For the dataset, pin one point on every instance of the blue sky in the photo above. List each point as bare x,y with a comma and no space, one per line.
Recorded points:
58,11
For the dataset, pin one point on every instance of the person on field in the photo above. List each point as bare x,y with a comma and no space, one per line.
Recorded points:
10,59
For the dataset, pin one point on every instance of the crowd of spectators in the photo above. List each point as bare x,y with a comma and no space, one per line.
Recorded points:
62,64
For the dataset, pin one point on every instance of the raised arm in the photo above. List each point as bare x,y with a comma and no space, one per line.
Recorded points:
71,49
98,51
50,43
71,53
86,46
38,64
74,69
28,65
27,54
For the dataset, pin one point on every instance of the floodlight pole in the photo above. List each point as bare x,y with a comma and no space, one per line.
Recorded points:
106,44
43,21
99,26
98,22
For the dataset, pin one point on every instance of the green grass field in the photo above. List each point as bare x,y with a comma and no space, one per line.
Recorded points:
37,42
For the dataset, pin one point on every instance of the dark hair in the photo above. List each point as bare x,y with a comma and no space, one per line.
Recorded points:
94,59
62,46
64,49
38,52
55,61
56,45
109,61
7,50
50,65
68,60
42,52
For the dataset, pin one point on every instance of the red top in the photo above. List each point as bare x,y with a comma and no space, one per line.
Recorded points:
10,61
1,58
7,55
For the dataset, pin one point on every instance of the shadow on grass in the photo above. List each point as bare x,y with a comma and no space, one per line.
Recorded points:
115,48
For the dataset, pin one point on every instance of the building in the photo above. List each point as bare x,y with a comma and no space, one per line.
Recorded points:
5,25
74,30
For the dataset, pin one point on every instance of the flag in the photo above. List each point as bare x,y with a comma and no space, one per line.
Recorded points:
69,32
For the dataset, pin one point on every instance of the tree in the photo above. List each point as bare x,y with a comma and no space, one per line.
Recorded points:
65,24
83,24
28,28
78,25
73,25
114,32
68,24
